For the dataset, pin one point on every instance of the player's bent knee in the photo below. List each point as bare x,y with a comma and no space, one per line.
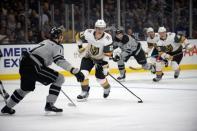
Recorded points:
103,82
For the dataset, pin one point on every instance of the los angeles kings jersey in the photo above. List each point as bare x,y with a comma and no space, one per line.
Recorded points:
127,44
50,52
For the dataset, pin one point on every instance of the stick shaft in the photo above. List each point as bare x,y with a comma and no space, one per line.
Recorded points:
125,87
2,93
68,97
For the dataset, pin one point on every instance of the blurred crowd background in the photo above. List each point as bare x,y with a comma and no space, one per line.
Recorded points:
29,21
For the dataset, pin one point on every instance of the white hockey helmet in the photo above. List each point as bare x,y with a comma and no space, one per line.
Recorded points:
162,29
100,23
150,29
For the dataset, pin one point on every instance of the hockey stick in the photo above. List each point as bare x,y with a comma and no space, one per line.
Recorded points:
133,68
69,104
139,101
2,92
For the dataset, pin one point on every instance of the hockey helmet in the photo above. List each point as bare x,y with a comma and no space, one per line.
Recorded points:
150,29
100,23
55,32
118,31
162,29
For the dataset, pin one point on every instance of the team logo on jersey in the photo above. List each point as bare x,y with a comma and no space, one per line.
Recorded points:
169,48
94,50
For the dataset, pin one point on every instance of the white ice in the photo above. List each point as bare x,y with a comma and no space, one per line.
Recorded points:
170,105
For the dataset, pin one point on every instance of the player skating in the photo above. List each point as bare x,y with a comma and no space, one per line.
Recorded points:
124,47
95,54
34,67
170,47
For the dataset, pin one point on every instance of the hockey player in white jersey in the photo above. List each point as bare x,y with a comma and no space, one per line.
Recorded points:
126,46
152,51
152,40
170,47
96,53
34,67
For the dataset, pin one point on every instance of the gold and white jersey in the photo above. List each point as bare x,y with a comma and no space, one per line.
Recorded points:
153,40
172,42
96,47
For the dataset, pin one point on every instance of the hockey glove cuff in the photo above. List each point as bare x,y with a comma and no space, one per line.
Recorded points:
116,58
167,56
81,49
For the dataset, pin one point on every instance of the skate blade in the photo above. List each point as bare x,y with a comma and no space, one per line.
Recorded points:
82,100
122,80
6,114
52,113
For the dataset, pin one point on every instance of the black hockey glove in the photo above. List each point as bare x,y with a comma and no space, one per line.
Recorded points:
78,74
116,58
165,62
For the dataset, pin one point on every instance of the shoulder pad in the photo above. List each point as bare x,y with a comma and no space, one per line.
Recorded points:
88,31
178,38
108,39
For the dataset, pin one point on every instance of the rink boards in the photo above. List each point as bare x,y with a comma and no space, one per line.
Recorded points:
9,63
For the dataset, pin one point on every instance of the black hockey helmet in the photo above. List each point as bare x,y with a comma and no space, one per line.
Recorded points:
55,32
118,31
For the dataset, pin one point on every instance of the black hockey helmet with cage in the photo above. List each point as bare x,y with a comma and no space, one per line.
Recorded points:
55,32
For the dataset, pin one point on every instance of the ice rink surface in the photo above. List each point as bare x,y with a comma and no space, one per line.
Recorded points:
170,105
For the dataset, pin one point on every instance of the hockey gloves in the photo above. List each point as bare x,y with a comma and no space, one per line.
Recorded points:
81,50
166,56
116,58
189,47
116,54
78,74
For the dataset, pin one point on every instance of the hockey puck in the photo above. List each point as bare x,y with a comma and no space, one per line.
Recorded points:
140,101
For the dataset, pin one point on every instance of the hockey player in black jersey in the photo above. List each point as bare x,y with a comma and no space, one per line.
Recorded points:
34,67
124,47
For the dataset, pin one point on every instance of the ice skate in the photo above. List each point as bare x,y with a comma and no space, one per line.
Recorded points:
51,108
106,92
7,110
176,73
121,77
83,96
158,78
